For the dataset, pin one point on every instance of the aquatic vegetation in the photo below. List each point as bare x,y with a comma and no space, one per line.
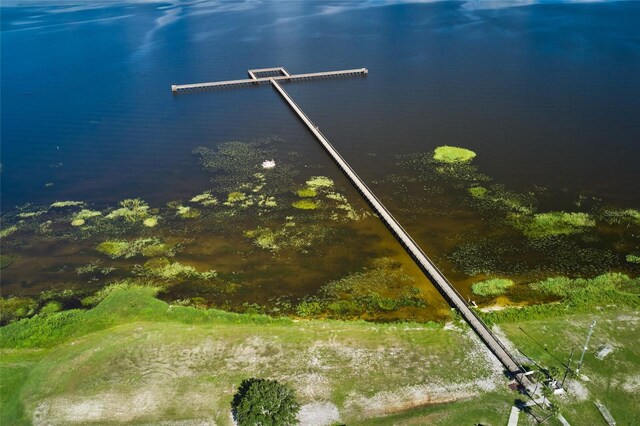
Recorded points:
424,168
150,222
306,192
62,204
163,269
492,287
632,258
266,201
628,217
157,263
317,182
553,223
26,215
453,155
478,191
5,261
132,210
186,212
264,238
86,214
235,197
290,236
499,198
343,204
14,308
51,307
305,204
565,287
148,247
236,164
153,247
206,199
381,289
8,231
113,249
82,216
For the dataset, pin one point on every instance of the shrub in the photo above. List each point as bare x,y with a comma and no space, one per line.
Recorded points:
264,402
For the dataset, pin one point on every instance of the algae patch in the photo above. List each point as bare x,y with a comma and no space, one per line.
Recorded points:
553,223
453,154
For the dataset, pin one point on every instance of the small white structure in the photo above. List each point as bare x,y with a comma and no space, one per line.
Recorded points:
268,164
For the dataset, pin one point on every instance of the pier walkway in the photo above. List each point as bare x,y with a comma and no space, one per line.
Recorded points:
451,295
449,292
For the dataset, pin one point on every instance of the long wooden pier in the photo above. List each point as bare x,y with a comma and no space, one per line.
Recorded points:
448,291
260,80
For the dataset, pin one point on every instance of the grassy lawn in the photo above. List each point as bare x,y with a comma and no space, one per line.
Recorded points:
614,380
136,359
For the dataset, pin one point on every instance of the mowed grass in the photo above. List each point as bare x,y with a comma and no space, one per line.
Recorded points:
136,359
614,380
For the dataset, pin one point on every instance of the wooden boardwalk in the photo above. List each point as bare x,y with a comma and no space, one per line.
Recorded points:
452,296
259,80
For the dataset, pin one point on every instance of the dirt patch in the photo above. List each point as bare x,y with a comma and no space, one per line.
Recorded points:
318,414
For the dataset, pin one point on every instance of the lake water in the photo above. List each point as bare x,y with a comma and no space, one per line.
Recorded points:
546,95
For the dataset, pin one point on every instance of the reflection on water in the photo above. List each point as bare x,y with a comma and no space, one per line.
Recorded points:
547,96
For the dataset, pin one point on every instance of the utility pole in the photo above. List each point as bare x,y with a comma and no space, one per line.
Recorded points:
568,368
586,344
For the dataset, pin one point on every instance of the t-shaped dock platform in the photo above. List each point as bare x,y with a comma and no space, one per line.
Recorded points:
283,75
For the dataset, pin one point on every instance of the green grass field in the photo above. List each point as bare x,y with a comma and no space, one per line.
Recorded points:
135,359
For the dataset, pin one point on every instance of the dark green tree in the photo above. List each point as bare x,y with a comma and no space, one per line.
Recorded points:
260,402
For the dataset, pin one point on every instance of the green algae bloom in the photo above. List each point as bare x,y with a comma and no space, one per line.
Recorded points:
493,287
77,222
478,192
453,155
304,205
554,223
306,193
319,182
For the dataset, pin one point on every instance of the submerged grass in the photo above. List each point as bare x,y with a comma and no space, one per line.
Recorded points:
553,223
492,287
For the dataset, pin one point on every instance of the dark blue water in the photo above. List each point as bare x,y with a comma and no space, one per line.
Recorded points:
546,94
